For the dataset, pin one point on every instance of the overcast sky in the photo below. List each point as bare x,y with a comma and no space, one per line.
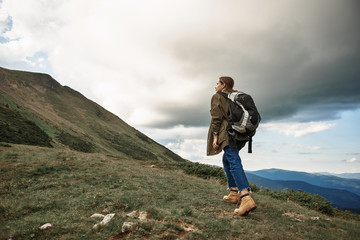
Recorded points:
155,64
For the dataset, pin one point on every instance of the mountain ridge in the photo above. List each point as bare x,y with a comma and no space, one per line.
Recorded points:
341,175
328,181
340,198
72,120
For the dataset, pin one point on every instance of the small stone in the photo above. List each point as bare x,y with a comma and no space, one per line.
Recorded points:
152,166
127,227
97,215
133,214
143,216
96,226
189,228
46,226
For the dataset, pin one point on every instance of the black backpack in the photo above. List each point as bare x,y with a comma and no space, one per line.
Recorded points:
245,117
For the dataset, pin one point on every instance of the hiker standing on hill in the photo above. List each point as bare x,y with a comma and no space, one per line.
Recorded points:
219,139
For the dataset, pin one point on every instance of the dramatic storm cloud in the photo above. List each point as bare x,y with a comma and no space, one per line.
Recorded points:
302,63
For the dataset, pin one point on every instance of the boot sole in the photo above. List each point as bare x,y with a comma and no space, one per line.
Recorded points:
231,201
247,212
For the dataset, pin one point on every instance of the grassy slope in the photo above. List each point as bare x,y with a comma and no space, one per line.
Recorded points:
72,120
64,187
14,128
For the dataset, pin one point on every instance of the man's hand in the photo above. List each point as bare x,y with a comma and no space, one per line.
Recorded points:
215,144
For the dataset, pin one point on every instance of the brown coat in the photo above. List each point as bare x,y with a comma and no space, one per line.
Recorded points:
219,121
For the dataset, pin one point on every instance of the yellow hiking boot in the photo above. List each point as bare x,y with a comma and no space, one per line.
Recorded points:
233,196
247,204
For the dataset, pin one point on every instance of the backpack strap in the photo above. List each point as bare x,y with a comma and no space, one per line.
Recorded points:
250,145
223,94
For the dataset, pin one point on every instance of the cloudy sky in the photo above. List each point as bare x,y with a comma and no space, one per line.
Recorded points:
155,65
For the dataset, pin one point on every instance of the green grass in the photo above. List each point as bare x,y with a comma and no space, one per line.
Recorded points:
14,128
64,187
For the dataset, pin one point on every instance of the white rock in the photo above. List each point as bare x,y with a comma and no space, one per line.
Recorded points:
133,214
107,219
189,227
96,226
143,216
97,215
127,227
46,226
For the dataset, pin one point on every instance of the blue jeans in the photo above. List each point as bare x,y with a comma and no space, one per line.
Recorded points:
233,168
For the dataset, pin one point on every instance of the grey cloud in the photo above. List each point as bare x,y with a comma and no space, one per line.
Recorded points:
195,115
305,70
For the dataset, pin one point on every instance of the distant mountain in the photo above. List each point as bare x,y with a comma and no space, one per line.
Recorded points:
339,198
36,110
327,181
343,175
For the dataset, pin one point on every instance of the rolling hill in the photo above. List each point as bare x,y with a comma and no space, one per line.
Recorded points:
35,109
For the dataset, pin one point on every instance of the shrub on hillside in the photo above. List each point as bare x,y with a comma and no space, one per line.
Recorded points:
254,187
143,137
75,143
126,144
203,170
14,128
312,201
173,155
207,172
